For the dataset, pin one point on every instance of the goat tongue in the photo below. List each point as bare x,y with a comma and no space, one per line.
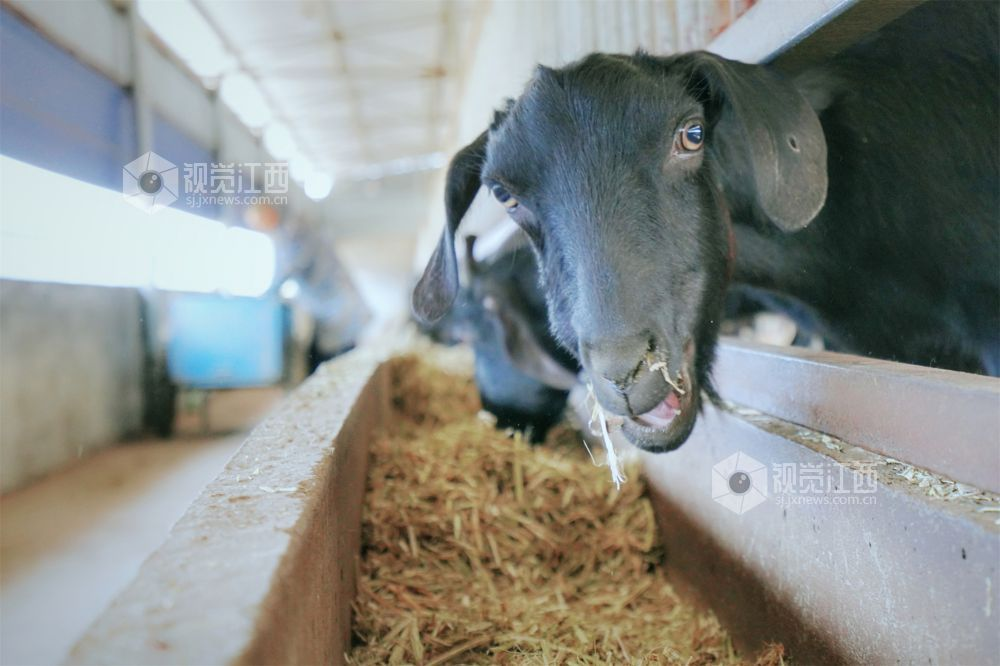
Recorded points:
661,415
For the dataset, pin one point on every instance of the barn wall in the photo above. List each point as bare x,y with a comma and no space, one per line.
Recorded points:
71,104
54,339
104,45
70,374
518,35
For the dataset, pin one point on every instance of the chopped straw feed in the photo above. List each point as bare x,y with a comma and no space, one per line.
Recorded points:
478,548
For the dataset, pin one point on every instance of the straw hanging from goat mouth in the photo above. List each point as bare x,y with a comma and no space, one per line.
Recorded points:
598,423
613,462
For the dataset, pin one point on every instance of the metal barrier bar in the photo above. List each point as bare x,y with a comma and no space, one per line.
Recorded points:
897,576
948,422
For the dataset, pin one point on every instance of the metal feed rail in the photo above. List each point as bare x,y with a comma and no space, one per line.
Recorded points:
784,515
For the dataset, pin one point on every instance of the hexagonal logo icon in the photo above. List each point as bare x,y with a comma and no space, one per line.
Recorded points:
739,483
149,182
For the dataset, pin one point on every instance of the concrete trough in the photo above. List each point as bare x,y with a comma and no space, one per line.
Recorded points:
261,569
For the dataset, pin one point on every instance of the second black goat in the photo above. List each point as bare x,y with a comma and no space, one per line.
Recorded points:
522,374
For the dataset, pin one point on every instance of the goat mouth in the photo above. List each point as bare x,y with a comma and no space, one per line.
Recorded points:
667,425
661,416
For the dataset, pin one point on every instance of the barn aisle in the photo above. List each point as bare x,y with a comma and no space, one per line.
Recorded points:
71,541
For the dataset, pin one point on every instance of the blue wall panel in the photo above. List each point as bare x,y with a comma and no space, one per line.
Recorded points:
174,145
223,342
58,113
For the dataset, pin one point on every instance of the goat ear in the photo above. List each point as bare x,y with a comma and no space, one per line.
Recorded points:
436,291
771,129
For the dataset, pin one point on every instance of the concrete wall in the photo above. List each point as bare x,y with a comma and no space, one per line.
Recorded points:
70,374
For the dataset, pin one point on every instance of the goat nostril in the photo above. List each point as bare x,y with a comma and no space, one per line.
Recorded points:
793,142
620,386
615,361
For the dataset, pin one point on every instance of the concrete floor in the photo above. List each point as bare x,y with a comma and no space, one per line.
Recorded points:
71,542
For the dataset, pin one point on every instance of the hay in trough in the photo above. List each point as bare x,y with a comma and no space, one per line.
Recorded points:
478,548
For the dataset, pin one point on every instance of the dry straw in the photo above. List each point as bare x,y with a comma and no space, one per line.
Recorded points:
599,427
478,548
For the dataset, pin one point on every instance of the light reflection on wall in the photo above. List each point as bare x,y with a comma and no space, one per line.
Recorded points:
57,229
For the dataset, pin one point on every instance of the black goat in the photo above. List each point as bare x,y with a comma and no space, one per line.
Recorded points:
522,373
865,192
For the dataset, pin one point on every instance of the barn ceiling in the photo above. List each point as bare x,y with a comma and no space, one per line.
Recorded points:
360,85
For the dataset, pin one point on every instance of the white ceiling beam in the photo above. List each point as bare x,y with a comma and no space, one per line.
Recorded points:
303,72
346,75
446,50
463,61
241,62
394,50
366,29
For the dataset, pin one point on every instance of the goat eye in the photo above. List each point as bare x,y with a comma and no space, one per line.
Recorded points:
692,136
504,197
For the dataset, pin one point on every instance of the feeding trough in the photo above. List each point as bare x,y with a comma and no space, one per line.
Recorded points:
263,567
